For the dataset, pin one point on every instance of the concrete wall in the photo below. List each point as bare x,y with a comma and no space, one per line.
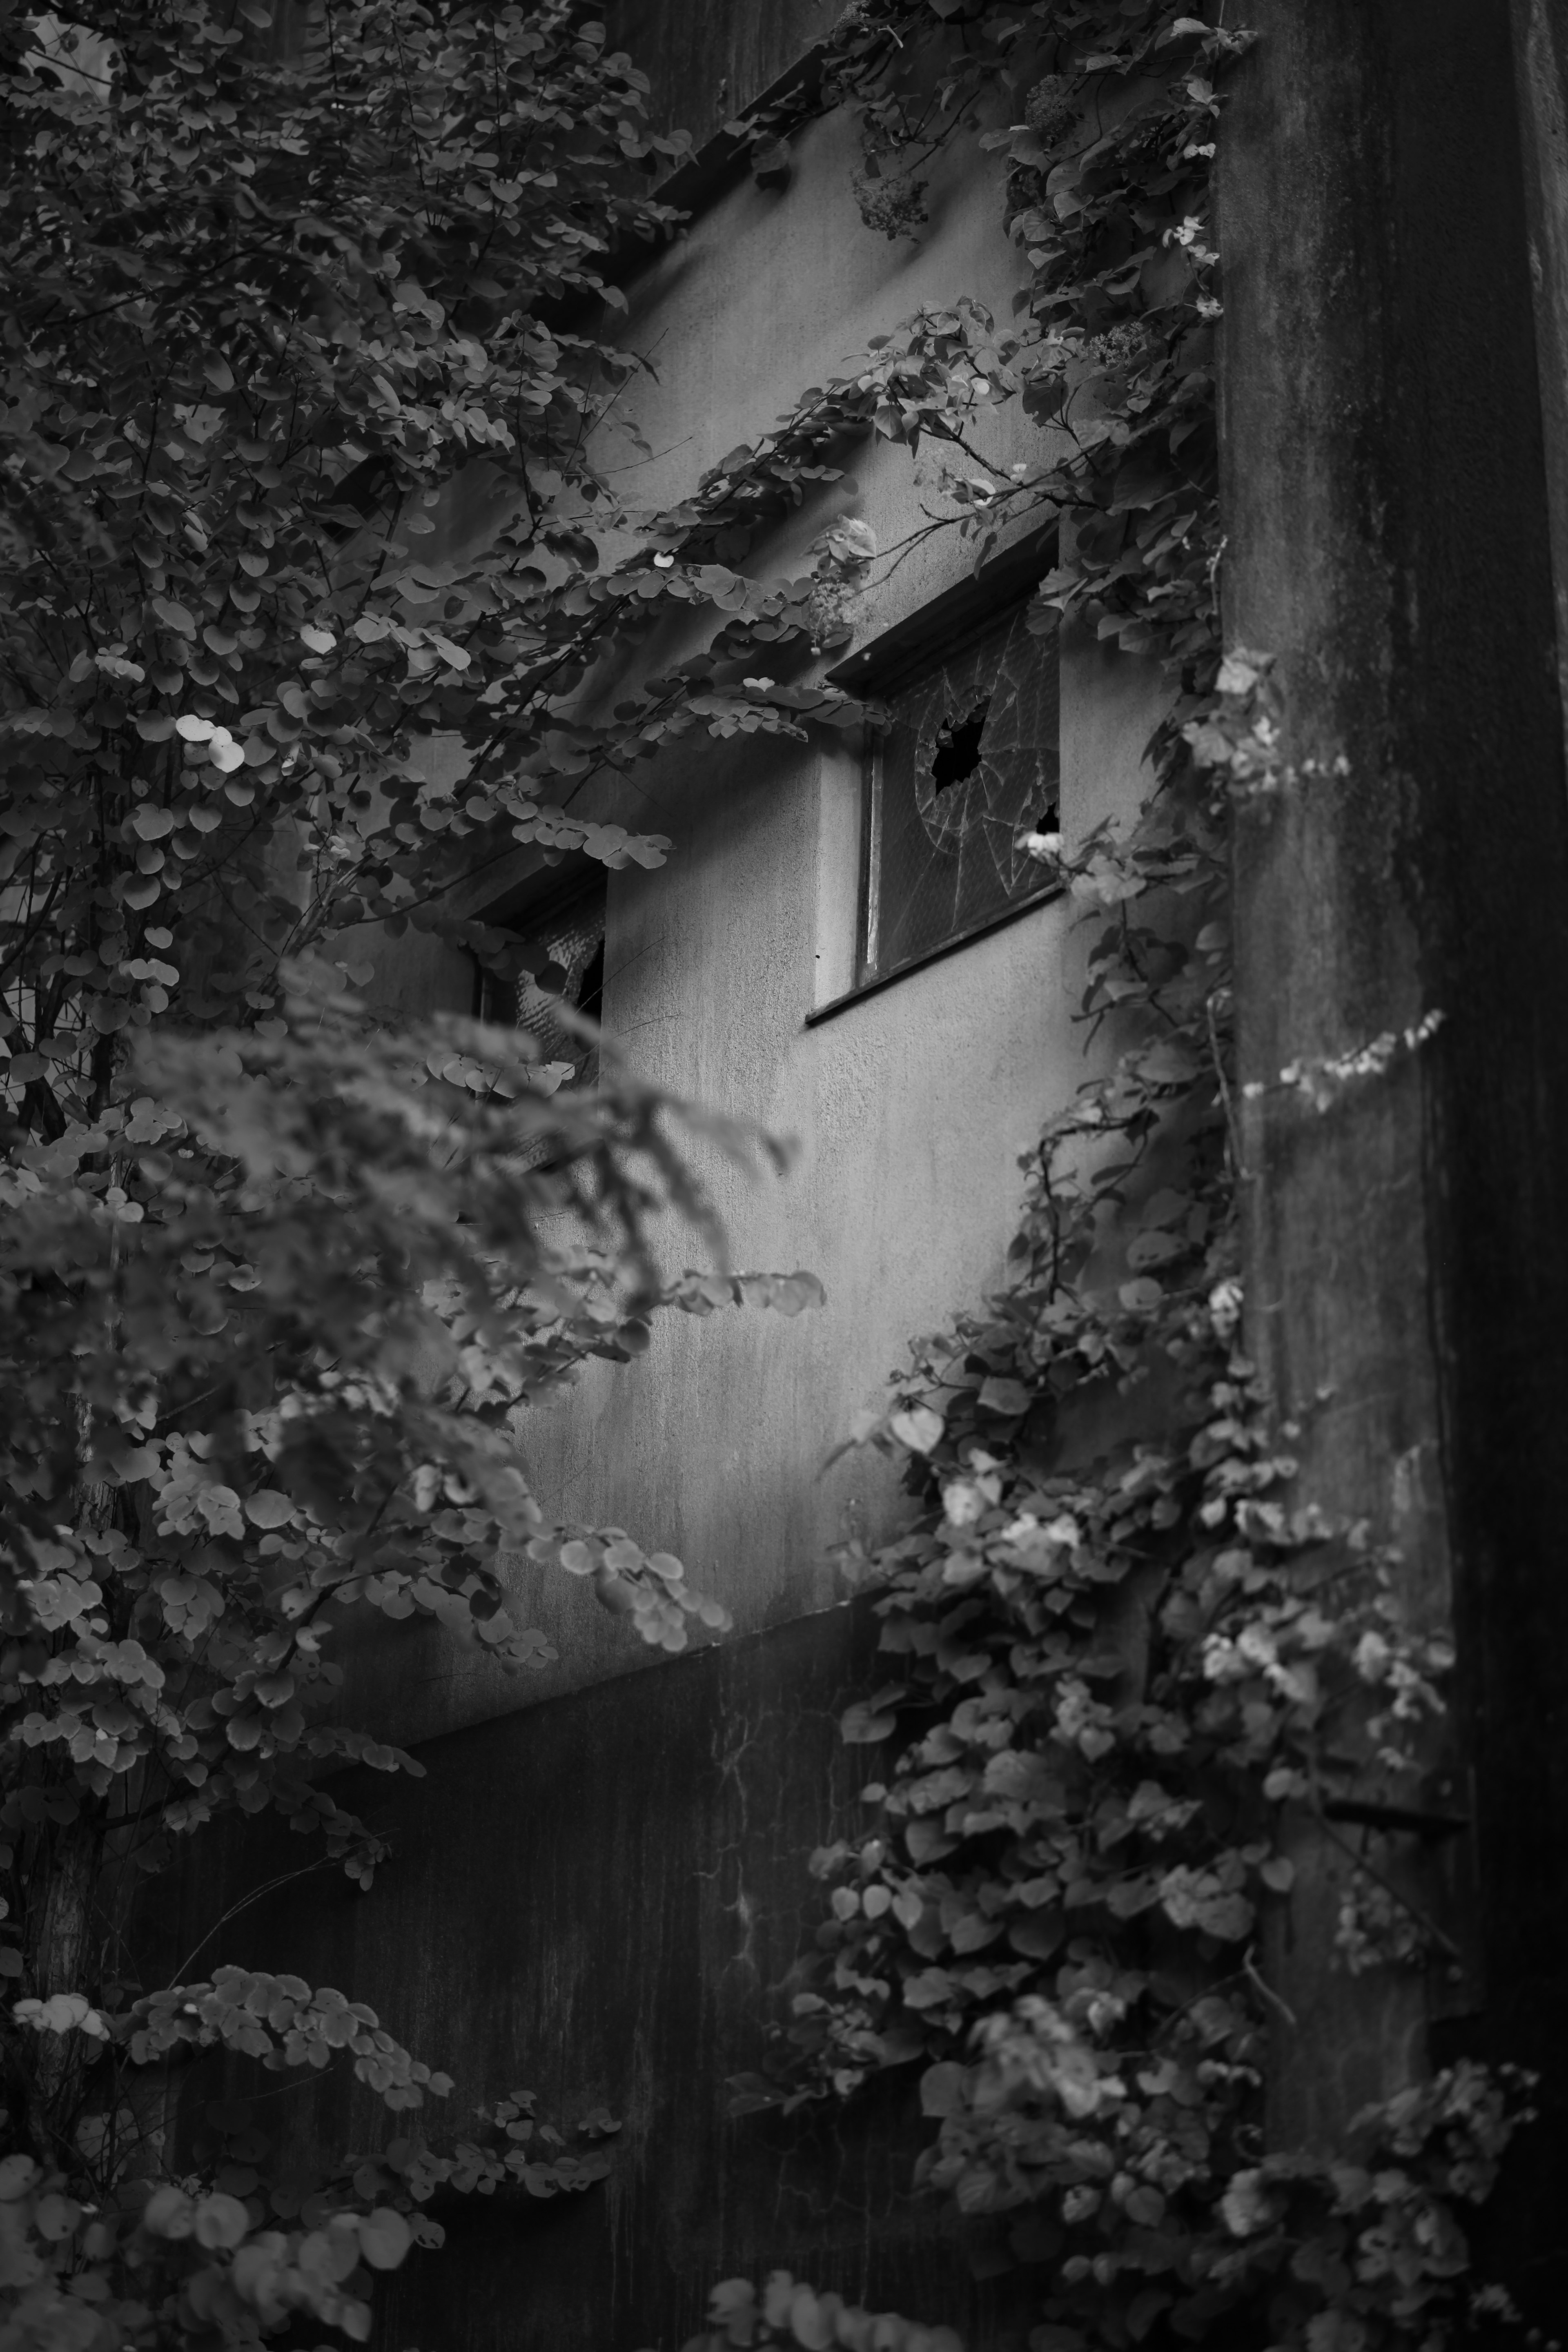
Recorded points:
706,59
600,1900
910,1110
1393,436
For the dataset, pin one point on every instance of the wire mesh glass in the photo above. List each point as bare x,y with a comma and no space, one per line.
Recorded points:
568,940
968,766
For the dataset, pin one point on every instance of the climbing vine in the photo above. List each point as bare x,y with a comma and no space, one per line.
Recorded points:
1125,1673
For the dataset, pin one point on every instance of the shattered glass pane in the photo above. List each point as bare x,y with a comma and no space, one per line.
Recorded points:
968,766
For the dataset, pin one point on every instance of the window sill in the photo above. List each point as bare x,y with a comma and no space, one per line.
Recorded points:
866,988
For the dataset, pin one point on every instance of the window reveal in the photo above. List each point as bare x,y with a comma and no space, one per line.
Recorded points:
967,766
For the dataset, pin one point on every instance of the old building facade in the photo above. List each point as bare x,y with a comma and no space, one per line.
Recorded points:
602,1887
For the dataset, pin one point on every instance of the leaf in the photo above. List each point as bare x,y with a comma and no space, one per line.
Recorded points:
1140,1296
169,2214
269,1507
384,2238
55,2216
919,1428
808,2322
941,2089
174,614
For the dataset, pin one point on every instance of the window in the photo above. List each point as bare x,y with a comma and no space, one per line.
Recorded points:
967,766
557,946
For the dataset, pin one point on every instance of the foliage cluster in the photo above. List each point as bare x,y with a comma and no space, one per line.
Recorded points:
244,2246
285,293
1363,2250
787,2311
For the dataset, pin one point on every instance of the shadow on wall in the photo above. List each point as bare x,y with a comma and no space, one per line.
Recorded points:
600,1899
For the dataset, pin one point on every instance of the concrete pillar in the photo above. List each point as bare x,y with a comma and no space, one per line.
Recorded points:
1387,513
1541,59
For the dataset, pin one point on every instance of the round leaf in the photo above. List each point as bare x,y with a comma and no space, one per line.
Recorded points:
221,2221
269,1507
169,2214
383,2238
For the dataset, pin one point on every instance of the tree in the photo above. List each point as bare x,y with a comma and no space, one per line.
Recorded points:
276,1282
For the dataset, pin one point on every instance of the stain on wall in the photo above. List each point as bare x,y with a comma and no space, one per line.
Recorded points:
601,1900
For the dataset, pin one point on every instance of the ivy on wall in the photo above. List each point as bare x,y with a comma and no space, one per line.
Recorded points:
1123,1676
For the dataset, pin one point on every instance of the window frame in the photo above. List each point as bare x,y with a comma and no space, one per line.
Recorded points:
944,628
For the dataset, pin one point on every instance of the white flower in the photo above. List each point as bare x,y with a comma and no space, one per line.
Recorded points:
1245,2205
853,538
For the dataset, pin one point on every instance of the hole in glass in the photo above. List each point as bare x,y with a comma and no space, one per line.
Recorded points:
958,745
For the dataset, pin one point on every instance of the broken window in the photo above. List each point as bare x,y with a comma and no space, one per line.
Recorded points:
967,770
555,957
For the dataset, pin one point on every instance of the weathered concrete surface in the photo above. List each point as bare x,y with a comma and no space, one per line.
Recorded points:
1386,515
910,1109
706,59
1541,61
771,290
598,1900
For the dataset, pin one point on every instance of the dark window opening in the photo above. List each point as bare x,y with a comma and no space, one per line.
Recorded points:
961,785
958,746
555,958
591,1002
